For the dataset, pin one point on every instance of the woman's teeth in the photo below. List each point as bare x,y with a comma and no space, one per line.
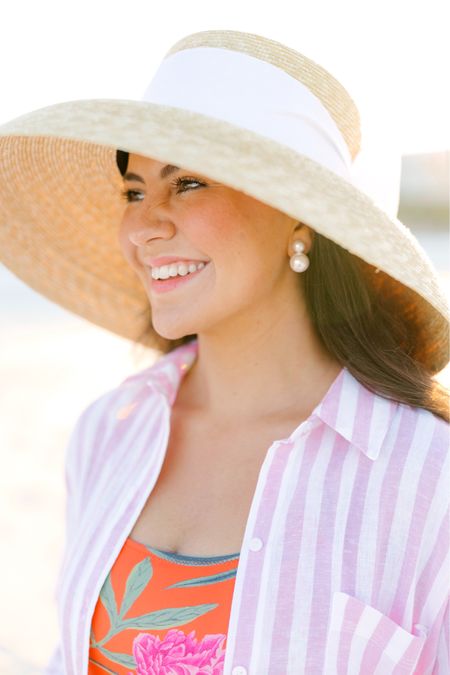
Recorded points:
176,269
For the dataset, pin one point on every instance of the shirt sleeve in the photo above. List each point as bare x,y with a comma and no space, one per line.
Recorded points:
83,441
55,665
74,460
442,663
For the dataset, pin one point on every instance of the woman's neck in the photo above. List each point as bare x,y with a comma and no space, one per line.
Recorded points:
270,371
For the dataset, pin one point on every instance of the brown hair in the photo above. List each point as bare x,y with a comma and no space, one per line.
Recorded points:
367,324
371,328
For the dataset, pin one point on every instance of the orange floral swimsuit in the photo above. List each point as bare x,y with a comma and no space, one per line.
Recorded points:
160,613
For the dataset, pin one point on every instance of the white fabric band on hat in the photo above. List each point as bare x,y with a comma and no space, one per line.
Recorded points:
253,94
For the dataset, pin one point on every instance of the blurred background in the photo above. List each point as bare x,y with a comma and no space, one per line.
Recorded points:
391,57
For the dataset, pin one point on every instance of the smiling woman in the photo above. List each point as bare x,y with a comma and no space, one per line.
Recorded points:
291,440
354,313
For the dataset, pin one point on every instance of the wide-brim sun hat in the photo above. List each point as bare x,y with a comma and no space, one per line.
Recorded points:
240,108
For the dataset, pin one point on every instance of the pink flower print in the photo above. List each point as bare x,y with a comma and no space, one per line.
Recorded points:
179,654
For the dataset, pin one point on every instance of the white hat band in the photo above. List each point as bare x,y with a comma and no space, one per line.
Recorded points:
243,90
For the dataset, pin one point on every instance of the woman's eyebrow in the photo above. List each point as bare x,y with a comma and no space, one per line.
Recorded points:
165,171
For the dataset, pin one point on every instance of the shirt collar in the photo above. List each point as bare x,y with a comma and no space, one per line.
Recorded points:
167,372
360,416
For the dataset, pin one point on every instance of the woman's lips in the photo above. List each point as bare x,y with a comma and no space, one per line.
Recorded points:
165,285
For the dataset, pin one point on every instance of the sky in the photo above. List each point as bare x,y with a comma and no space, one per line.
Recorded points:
392,55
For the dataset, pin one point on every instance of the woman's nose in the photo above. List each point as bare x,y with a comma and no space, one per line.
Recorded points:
147,225
143,233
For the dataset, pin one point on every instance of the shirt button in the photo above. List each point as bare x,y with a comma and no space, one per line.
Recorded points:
256,544
239,670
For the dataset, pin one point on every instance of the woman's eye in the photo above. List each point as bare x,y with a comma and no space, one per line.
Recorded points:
130,195
180,182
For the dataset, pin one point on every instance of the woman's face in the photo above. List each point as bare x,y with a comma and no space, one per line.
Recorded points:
244,244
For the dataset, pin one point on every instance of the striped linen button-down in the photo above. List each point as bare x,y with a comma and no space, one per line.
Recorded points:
344,566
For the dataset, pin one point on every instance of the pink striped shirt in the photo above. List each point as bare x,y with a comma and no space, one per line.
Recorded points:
344,565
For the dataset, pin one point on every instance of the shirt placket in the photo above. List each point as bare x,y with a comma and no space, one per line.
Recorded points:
251,562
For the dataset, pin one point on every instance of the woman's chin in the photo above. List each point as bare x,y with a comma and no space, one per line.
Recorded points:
172,332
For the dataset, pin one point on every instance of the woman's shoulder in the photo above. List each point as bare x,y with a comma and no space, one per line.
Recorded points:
111,401
421,442
104,418
163,375
422,424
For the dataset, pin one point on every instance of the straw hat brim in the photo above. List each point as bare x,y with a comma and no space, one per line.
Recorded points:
60,206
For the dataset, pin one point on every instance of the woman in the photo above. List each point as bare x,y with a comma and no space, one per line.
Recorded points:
271,495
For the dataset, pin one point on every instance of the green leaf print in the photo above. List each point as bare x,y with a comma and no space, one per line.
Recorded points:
123,659
205,581
168,618
108,599
93,641
160,619
137,580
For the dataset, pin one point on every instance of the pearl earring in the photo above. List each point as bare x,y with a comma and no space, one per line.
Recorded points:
299,262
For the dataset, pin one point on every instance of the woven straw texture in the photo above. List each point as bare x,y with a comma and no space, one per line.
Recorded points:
60,205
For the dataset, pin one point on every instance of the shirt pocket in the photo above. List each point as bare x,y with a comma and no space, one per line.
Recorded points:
363,640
